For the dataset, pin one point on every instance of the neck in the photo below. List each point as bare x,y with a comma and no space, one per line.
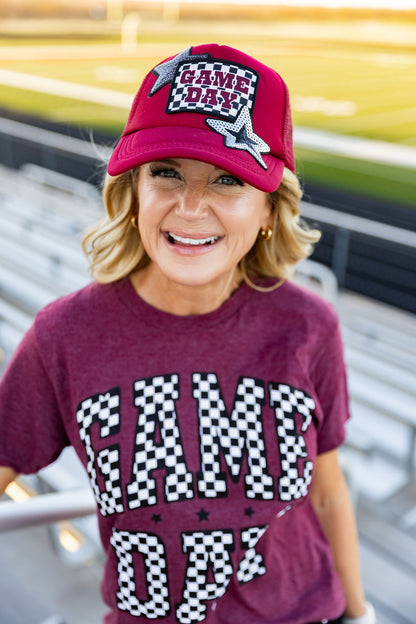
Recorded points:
183,300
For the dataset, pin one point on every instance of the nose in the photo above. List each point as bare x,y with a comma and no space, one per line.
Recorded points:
192,203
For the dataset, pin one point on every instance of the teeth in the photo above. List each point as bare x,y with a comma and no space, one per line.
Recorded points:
193,241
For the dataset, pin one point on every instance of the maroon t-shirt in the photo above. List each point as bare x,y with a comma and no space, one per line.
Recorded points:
199,435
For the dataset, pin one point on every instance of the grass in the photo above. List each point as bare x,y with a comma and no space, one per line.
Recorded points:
105,119
342,79
394,184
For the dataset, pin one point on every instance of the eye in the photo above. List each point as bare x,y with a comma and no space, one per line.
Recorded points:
229,180
163,172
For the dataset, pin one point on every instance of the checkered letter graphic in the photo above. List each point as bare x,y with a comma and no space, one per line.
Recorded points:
155,399
206,550
104,410
156,605
252,565
288,402
235,435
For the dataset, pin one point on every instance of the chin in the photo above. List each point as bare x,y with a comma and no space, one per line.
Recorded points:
192,279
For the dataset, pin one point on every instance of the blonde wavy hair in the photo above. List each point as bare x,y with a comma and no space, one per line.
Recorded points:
114,247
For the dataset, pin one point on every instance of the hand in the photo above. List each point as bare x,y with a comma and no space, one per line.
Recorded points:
369,616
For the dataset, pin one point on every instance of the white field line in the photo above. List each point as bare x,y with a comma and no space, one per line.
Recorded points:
59,52
150,50
385,119
351,147
65,89
81,52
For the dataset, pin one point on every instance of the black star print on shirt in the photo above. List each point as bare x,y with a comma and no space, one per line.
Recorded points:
248,512
156,518
202,515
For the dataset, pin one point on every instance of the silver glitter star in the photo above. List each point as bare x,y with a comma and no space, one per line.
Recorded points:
166,71
240,135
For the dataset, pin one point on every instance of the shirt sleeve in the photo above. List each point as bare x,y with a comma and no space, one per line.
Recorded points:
330,381
32,434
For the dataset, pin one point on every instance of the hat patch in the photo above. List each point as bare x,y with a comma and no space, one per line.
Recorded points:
214,87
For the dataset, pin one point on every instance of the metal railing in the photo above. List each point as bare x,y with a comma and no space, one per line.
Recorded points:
47,140
352,223
46,509
397,252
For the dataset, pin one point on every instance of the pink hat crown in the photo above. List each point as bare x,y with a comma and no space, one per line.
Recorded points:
216,104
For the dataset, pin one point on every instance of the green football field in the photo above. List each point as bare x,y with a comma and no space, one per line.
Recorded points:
352,77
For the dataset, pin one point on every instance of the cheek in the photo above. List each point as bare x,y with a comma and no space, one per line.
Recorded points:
242,238
254,211
248,223
149,216
148,233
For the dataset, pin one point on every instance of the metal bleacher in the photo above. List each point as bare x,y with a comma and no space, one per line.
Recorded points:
41,217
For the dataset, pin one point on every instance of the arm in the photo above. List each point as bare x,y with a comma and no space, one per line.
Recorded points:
331,501
7,475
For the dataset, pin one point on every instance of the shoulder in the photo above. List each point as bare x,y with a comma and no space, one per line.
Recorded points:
298,317
77,311
302,305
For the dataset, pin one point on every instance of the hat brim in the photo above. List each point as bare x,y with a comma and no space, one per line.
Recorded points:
151,144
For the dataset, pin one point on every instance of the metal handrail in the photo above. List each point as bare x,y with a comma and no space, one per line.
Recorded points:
360,225
46,509
313,270
57,141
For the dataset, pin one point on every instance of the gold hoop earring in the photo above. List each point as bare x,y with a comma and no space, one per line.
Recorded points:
134,222
266,234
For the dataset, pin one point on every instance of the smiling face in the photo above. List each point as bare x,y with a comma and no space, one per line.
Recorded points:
196,222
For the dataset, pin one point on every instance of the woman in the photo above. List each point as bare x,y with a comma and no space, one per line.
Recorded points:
204,393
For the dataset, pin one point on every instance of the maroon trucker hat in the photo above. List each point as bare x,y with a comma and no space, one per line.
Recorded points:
216,104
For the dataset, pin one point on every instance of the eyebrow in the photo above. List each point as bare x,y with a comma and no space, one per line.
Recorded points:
166,161
174,163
